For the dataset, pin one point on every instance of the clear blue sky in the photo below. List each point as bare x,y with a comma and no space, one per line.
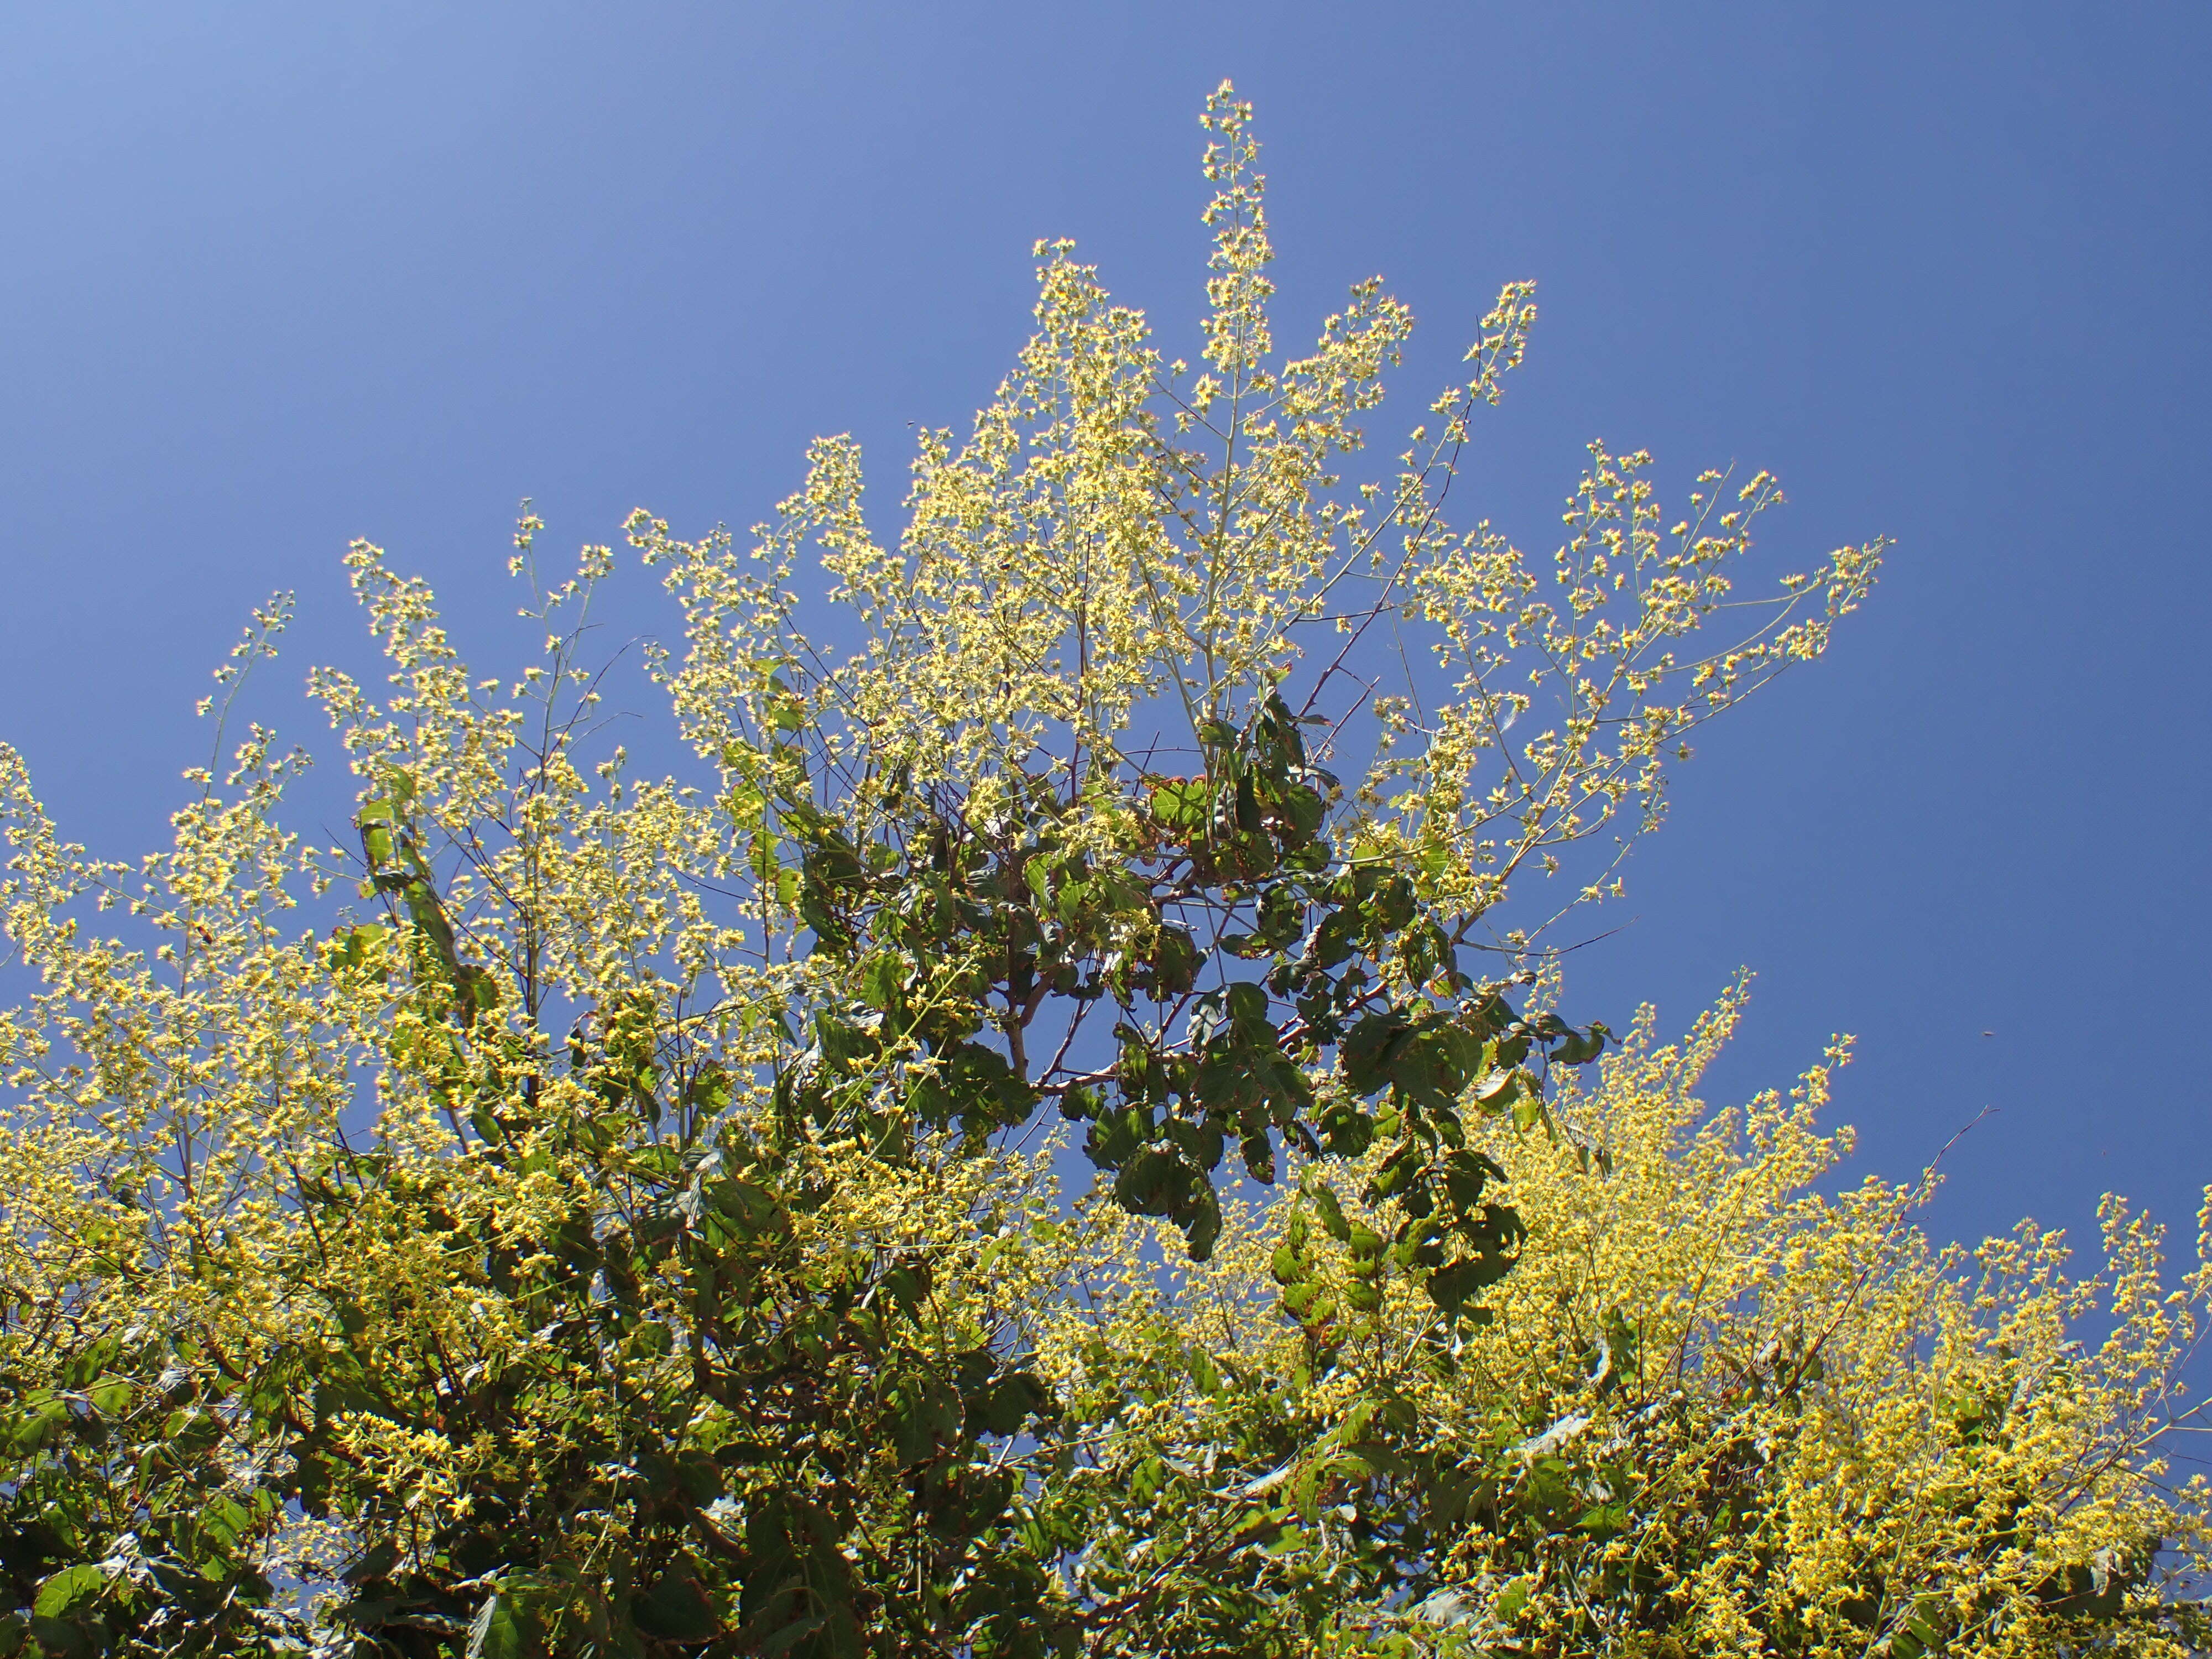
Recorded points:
279,276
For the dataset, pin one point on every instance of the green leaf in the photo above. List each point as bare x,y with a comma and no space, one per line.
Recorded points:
225,1521
1247,1007
1203,1372
1451,1285
1299,808
1496,1092
1347,1130
69,1590
493,1634
925,1415
883,981
1579,1049
1331,1211
792,1634
1466,1176
1116,1137
374,1561
1184,804
1367,1054
676,1609
1162,1181
1002,1406
1036,875
752,1210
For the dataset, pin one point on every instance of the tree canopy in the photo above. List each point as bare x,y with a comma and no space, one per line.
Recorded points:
1051,1127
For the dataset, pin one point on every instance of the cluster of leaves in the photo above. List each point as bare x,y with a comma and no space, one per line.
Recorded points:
1030,922
629,1219
124,1522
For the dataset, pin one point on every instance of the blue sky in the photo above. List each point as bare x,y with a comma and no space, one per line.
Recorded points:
276,277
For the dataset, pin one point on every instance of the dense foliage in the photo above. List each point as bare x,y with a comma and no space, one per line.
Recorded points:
600,1214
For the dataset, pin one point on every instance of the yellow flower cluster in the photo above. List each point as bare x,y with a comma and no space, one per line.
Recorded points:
1716,1409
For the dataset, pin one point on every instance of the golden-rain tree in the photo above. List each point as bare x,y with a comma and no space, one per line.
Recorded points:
596,1213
